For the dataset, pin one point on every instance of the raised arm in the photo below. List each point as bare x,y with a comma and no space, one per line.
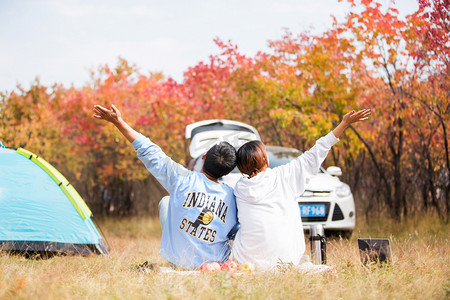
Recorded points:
165,170
308,164
313,158
114,116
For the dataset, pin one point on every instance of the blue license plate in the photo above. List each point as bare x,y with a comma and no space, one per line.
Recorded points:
312,210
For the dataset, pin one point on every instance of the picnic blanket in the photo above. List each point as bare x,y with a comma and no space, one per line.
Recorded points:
307,268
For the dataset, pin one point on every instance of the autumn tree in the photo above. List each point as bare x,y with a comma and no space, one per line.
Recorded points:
294,92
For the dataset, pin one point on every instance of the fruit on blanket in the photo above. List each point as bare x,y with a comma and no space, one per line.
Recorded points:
212,267
247,267
229,266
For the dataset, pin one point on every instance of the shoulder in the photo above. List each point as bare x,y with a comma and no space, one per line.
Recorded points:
243,181
228,189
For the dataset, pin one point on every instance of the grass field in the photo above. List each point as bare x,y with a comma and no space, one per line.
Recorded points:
421,270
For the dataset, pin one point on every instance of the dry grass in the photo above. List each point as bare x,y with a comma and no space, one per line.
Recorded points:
420,271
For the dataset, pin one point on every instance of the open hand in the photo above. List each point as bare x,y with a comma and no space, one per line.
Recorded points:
349,119
111,115
353,117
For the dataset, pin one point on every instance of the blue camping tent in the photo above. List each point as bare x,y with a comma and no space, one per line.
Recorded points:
40,211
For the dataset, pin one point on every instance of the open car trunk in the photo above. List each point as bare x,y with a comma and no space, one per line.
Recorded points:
205,134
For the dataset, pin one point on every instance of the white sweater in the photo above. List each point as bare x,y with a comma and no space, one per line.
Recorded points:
271,227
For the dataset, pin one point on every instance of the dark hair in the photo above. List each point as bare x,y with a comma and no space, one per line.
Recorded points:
220,160
252,158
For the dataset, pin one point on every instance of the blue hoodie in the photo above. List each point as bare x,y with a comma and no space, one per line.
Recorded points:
201,212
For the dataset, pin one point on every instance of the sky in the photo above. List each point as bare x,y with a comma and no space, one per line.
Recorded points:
61,41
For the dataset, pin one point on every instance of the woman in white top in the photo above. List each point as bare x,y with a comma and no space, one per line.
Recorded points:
271,227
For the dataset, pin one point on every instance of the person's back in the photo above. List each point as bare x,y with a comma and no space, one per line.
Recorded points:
269,222
200,215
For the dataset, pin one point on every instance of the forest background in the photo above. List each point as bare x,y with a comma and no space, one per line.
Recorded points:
397,164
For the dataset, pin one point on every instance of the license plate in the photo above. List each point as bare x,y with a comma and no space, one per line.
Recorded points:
312,210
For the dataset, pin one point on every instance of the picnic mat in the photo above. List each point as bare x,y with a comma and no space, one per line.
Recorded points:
306,267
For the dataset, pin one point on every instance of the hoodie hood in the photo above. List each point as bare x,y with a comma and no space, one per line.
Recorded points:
253,190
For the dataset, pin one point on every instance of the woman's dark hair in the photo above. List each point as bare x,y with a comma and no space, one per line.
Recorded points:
252,158
220,160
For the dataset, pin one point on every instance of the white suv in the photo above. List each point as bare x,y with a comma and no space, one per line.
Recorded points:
326,200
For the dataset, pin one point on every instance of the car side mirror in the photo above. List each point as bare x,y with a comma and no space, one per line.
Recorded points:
334,171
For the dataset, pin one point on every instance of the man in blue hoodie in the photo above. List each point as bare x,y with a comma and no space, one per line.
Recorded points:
201,212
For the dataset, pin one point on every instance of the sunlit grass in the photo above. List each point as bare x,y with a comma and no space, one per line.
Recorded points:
421,270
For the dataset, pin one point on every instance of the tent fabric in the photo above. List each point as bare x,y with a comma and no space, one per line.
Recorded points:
40,210
62,182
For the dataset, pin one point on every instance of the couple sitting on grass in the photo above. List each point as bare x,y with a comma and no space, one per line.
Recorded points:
201,212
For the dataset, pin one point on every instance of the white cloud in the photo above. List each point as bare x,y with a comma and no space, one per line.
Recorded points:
144,11
71,8
285,7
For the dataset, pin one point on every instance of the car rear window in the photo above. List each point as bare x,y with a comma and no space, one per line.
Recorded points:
218,126
280,158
